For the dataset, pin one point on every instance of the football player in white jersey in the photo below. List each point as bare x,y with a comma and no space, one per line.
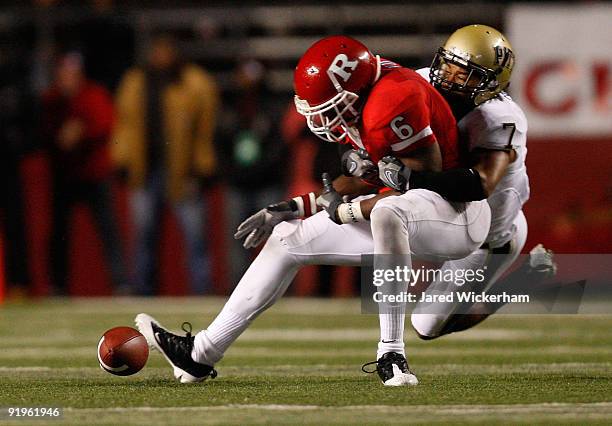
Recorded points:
472,71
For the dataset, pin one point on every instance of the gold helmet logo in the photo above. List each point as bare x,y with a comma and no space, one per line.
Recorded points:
476,61
504,57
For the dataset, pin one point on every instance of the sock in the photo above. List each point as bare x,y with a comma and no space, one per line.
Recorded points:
385,346
210,344
391,248
261,286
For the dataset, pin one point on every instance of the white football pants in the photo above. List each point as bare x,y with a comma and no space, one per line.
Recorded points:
431,323
418,223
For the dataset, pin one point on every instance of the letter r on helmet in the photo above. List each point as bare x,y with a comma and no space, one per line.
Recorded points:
339,67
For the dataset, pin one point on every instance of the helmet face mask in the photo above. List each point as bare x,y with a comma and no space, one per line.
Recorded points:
451,73
330,120
475,63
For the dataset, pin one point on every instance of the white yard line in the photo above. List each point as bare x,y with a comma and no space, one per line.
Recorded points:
344,370
266,351
600,407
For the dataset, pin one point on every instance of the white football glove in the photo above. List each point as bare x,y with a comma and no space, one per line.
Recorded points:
259,226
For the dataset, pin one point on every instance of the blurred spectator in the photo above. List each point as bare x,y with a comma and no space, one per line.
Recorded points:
106,39
164,141
253,153
16,116
77,120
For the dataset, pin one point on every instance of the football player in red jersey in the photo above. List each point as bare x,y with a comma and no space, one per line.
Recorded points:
393,118
375,105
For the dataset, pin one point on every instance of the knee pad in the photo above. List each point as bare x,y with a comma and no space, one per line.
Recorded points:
390,232
427,326
265,280
384,216
424,337
277,247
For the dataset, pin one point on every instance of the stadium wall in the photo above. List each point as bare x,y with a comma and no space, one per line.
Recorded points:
563,80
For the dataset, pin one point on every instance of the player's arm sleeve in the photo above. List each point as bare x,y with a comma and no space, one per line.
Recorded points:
472,184
489,132
454,185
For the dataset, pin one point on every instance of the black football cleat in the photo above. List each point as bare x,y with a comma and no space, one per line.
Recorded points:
392,368
176,349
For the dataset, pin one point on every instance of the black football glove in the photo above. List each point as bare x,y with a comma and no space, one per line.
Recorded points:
393,173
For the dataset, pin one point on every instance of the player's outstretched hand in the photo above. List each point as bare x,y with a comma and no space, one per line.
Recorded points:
393,173
259,226
329,198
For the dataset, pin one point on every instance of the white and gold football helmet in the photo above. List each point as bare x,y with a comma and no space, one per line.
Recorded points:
484,58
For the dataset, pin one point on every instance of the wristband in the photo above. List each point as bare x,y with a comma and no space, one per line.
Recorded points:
306,204
350,213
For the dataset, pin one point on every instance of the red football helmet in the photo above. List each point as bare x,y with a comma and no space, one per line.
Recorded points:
328,80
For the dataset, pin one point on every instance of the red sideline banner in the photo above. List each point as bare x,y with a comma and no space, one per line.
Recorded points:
563,73
570,206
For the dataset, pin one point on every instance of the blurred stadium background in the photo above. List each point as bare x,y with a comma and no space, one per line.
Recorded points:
256,147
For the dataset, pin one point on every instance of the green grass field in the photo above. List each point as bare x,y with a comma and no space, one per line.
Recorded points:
300,363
